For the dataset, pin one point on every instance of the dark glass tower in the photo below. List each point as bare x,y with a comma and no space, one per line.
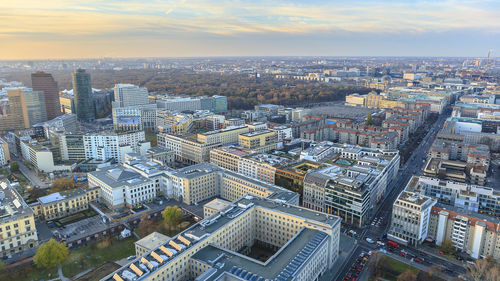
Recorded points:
82,91
42,81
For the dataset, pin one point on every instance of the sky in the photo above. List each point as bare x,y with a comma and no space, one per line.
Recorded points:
51,29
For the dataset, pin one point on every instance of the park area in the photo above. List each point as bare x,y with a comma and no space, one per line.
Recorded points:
389,268
86,257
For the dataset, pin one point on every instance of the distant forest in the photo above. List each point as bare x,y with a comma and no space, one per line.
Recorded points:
243,92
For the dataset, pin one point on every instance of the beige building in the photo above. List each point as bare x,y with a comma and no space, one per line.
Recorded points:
259,141
228,157
246,162
355,100
17,222
225,136
220,248
203,181
62,204
215,206
17,117
4,152
150,242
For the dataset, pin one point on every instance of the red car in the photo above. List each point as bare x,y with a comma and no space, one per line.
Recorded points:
418,260
403,255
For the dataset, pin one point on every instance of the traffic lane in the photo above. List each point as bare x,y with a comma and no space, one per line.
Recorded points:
352,262
430,259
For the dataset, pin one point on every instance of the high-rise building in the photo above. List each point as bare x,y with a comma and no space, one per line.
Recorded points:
35,106
42,81
17,117
82,91
130,95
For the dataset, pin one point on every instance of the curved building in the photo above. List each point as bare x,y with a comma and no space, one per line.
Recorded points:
82,91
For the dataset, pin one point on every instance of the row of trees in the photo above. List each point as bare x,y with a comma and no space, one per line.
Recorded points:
242,92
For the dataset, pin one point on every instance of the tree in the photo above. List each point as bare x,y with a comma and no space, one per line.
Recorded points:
62,184
172,215
477,271
37,192
434,270
493,274
14,167
447,246
369,120
50,254
146,226
408,275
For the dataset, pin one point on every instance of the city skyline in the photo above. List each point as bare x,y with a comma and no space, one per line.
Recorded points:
89,29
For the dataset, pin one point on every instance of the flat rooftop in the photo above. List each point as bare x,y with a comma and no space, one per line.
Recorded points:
203,229
289,258
153,240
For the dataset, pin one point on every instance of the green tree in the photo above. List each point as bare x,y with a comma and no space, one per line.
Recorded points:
172,215
50,254
14,167
369,120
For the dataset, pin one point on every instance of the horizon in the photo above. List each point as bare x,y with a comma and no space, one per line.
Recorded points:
249,56
81,29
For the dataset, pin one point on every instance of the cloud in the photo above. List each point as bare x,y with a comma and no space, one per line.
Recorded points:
195,20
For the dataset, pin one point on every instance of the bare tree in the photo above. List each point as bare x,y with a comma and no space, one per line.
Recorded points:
374,260
493,274
477,271
408,275
434,270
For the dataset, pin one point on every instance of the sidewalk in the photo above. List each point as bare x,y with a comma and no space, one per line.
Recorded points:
434,252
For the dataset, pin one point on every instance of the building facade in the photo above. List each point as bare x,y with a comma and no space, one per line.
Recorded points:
83,99
42,81
17,222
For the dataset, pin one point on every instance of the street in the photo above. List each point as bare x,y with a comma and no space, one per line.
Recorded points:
29,174
383,211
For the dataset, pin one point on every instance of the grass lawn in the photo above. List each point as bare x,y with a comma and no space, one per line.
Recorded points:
98,253
78,260
391,268
28,273
160,226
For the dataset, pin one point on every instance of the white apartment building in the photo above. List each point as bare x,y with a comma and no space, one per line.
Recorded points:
410,218
4,152
283,132
41,157
130,95
114,145
215,122
122,186
135,118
